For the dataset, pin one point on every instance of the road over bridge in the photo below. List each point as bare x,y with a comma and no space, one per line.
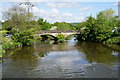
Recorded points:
56,32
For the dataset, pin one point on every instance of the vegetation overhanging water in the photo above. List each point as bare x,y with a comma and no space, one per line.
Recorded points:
95,58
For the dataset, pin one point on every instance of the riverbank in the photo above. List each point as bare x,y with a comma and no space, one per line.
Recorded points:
7,44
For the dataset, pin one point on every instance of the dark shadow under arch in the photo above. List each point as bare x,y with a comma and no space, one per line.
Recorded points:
46,37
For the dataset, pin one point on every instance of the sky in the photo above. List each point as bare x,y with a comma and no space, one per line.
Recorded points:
71,11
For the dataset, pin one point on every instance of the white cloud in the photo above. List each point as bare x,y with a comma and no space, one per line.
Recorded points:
0,8
61,0
67,14
87,0
54,15
25,0
62,5
116,4
54,11
23,6
85,9
36,10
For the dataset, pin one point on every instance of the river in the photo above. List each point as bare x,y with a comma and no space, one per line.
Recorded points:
71,59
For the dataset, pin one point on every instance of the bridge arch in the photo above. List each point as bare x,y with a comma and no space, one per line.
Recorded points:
48,36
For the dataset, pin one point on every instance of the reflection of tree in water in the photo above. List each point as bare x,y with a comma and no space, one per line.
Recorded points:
20,63
24,54
96,52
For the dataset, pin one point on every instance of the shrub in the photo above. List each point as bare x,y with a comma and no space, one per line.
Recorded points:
10,45
2,51
60,38
115,40
26,37
6,44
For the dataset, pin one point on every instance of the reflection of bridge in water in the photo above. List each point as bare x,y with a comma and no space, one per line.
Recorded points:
56,32
41,49
53,47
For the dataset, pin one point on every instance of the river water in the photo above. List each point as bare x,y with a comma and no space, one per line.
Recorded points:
71,59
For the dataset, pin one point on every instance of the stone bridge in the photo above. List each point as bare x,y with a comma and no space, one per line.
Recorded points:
56,32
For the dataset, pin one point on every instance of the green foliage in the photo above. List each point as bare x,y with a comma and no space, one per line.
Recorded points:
101,28
21,25
113,40
18,18
2,51
107,14
60,38
80,25
34,25
37,37
3,32
63,26
26,37
44,24
9,44
41,21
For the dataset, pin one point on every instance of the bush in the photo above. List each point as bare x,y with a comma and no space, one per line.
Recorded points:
7,44
115,40
60,38
38,38
2,51
10,45
26,37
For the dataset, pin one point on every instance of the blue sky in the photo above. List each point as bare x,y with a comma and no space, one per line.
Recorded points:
65,11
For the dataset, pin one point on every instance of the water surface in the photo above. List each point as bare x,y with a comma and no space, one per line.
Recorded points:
71,59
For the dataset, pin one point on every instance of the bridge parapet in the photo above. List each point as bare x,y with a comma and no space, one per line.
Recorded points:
57,31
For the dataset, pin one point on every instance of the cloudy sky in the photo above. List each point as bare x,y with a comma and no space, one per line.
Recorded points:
64,11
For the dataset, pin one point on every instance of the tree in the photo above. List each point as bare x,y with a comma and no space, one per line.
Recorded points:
21,24
63,26
80,25
101,28
107,14
18,18
41,21
44,24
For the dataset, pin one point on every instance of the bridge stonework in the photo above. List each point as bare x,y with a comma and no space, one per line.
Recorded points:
56,32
